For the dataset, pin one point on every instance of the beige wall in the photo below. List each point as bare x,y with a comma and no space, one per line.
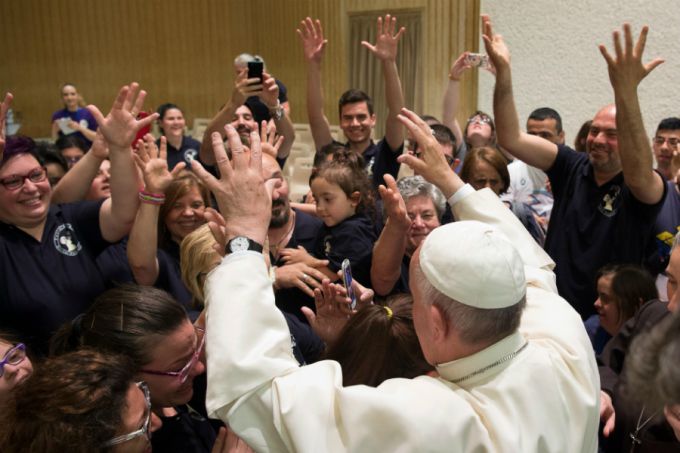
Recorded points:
182,51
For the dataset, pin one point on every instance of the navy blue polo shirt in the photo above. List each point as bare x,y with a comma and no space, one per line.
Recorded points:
43,284
305,232
353,238
591,226
381,160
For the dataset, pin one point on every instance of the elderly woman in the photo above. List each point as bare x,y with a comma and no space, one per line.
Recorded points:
80,402
414,208
48,252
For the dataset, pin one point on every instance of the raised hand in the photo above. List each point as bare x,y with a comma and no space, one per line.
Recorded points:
154,164
4,108
270,91
394,203
218,228
245,88
241,194
313,42
332,312
495,46
626,69
99,146
270,141
385,47
459,66
431,164
120,126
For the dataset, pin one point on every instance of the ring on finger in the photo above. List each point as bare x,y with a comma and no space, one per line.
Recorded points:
305,277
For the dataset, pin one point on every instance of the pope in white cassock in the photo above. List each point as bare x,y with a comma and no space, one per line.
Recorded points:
516,368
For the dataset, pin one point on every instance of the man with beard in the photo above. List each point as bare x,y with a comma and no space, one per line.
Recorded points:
239,115
607,199
290,228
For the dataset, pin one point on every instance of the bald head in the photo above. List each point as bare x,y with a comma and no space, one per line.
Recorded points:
602,143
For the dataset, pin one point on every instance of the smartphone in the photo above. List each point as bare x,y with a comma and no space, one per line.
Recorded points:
477,59
255,69
347,280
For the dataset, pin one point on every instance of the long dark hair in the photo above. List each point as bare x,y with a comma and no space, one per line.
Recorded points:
130,319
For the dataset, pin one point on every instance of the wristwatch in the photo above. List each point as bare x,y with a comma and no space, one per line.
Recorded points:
241,244
277,111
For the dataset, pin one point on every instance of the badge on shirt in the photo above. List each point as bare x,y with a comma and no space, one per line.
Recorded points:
190,154
609,205
65,240
327,245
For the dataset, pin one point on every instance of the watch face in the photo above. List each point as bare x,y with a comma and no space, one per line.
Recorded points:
238,244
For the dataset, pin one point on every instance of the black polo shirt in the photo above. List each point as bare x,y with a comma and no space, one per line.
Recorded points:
592,225
43,284
304,233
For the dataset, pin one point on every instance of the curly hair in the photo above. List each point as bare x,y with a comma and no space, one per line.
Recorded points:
71,403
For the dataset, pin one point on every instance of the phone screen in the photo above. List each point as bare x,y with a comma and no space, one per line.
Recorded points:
255,69
347,280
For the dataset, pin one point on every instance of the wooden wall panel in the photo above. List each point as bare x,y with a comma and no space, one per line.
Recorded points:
182,51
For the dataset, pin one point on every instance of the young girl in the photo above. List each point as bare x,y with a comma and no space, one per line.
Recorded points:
344,202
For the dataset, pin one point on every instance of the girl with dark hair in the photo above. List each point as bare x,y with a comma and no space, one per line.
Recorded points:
345,204
153,331
80,402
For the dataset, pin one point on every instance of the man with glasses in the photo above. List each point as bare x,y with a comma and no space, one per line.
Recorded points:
665,145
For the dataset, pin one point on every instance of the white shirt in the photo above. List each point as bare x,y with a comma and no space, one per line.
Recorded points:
544,399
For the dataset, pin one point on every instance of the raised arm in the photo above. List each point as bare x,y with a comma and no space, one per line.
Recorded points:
313,45
243,89
385,49
77,181
284,126
143,243
452,97
389,249
119,128
626,71
4,108
531,149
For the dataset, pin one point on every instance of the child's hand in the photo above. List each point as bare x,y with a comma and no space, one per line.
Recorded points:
300,255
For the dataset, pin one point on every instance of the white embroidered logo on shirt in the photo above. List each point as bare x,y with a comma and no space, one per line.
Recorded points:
65,240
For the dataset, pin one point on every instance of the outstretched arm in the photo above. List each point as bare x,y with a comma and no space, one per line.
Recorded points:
452,97
626,71
313,45
243,89
531,149
389,249
4,108
284,126
385,49
119,128
143,244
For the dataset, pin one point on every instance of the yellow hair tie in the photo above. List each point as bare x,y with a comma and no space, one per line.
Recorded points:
389,312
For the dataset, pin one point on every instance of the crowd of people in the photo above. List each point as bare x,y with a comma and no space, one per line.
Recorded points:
166,293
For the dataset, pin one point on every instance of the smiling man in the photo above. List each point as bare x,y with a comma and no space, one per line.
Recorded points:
357,118
605,200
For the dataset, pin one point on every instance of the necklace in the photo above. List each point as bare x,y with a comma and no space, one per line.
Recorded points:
635,440
496,363
285,239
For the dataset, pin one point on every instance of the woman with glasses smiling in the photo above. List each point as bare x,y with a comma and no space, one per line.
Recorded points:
48,251
84,401
153,330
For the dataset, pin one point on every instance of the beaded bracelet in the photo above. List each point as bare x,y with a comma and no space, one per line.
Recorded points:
151,198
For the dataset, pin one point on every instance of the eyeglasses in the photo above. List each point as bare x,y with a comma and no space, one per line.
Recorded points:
14,182
183,374
144,430
672,141
14,356
479,120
